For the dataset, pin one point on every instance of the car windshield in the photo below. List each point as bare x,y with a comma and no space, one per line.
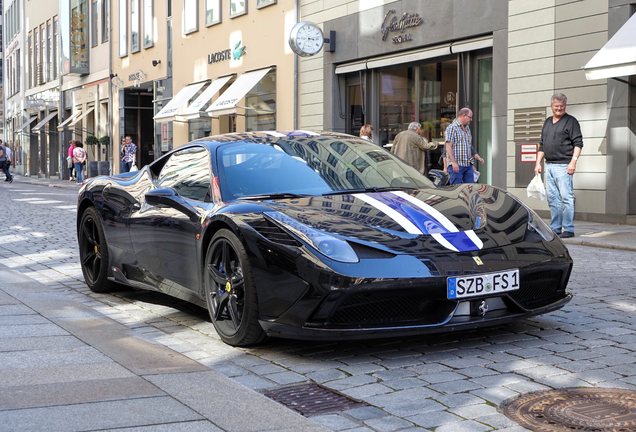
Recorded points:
310,166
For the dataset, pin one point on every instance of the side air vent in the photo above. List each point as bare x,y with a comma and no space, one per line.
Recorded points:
273,232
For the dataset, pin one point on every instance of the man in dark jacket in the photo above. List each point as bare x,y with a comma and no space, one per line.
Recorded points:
560,146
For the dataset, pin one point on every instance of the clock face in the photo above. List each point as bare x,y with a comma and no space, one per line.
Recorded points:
306,39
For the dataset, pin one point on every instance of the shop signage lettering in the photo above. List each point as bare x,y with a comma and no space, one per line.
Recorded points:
394,24
219,56
229,54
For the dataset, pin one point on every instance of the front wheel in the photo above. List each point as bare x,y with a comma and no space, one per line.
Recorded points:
93,252
230,292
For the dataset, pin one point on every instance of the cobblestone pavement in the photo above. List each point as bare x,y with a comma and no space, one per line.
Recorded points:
443,383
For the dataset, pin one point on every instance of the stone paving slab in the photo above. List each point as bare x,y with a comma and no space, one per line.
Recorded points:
98,415
75,392
215,396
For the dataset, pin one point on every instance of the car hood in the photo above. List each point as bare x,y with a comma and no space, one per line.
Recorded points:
459,218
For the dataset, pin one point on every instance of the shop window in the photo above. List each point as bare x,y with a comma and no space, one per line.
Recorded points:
261,104
199,128
397,101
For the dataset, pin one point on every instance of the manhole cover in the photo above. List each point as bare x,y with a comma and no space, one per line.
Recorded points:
312,399
574,409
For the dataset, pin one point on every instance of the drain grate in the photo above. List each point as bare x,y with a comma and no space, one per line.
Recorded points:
574,410
312,399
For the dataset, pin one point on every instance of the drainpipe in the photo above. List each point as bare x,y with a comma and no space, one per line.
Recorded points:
109,126
296,65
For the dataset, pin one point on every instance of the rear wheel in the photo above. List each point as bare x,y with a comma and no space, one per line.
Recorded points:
94,252
230,291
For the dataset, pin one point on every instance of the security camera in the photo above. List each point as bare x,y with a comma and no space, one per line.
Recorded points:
156,62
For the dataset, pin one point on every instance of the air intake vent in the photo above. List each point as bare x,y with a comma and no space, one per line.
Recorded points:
273,232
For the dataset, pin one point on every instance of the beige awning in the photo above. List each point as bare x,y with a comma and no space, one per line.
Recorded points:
618,55
227,102
44,121
179,102
81,117
26,123
195,109
63,125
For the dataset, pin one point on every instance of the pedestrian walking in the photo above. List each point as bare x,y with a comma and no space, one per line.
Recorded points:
366,132
560,146
128,154
79,160
69,160
411,147
460,152
5,161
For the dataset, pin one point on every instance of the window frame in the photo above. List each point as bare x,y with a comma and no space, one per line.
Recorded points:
240,11
190,6
123,28
213,5
148,14
135,26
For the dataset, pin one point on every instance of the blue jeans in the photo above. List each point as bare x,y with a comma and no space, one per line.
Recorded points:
466,174
124,167
560,193
79,173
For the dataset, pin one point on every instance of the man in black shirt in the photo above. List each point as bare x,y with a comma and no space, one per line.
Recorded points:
560,146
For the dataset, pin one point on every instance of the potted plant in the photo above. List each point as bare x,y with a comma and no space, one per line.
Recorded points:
92,140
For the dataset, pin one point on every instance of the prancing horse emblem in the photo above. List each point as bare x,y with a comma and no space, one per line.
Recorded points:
483,308
478,260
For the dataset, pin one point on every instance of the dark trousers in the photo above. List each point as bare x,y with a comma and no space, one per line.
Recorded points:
6,166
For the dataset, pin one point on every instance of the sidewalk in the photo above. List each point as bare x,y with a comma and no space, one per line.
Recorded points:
592,234
66,367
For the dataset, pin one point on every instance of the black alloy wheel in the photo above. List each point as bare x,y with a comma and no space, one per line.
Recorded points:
230,291
94,252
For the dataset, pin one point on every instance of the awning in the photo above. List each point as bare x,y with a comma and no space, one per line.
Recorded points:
44,121
81,116
178,102
416,55
618,55
26,123
194,109
226,103
62,125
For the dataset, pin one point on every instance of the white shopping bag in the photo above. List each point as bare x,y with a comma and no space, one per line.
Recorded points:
536,189
134,168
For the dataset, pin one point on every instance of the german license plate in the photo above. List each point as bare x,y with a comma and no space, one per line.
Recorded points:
482,284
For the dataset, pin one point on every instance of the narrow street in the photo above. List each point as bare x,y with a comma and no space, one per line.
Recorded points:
446,383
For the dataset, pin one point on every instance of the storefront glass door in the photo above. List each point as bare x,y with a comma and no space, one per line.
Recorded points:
484,117
397,101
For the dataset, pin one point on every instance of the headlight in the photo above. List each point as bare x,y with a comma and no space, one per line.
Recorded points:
328,245
535,223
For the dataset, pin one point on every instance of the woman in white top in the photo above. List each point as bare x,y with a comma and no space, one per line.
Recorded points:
366,132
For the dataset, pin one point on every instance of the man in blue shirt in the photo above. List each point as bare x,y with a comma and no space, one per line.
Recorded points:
459,148
560,145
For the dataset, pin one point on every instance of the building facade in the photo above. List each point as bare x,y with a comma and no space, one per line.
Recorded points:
402,61
205,67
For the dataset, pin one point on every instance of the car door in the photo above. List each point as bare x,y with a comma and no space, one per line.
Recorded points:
165,237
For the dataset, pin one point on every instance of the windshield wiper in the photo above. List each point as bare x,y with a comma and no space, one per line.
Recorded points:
273,196
369,189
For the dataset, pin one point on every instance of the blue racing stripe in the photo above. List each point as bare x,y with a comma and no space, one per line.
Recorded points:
460,241
420,218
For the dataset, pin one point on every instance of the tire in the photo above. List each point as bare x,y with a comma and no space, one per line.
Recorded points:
230,291
94,252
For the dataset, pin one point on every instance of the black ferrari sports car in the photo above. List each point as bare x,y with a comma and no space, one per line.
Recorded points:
318,236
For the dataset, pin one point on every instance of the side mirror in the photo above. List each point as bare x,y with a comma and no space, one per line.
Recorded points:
169,198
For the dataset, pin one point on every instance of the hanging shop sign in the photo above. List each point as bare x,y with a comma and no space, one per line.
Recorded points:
393,23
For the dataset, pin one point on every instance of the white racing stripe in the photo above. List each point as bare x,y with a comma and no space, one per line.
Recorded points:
441,240
439,217
397,217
